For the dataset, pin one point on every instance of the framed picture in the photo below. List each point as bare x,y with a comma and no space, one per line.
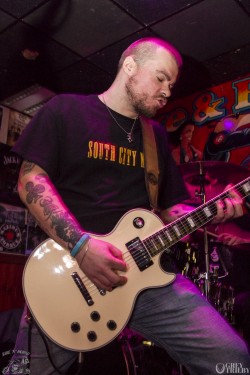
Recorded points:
9,170
12,124
19,233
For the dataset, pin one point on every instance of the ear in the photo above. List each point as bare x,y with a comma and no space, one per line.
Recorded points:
129,66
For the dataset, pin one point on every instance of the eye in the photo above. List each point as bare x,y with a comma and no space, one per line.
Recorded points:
160,79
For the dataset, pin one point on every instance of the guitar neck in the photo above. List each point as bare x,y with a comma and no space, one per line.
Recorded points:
189,223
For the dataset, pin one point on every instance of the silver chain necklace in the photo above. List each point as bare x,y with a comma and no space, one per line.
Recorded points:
130,136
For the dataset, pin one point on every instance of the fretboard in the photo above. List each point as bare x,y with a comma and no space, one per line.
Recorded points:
188,223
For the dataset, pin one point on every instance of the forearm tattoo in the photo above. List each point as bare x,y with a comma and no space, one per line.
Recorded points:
62,222
27,167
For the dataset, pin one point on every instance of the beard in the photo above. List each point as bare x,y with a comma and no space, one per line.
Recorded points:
139,100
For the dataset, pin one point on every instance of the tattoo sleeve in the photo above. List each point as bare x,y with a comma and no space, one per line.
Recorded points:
53,216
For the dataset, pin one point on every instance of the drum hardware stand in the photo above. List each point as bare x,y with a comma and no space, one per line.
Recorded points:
202,195
180,370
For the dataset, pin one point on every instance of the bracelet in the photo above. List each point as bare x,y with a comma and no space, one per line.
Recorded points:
85,252
79,244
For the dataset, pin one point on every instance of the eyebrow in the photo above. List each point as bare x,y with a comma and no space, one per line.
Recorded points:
165,74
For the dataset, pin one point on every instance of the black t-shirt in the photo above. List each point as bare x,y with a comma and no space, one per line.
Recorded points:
98,173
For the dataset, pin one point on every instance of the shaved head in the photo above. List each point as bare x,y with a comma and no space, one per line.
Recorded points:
144,49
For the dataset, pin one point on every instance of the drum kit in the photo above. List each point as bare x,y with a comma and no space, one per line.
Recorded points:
208,260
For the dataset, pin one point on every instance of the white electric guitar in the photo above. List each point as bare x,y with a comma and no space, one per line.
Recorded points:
72,311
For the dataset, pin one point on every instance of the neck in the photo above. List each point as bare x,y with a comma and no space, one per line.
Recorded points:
118,102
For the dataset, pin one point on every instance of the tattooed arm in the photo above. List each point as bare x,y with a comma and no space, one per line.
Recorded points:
39,194
43,201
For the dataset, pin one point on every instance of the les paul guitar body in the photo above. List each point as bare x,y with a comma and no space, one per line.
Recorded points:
72,311
69,309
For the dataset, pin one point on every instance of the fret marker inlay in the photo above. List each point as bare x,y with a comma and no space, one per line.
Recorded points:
160,239
191,223
246,187
168,236
177,230
207,212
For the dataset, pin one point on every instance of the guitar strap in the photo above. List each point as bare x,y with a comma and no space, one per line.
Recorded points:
151,162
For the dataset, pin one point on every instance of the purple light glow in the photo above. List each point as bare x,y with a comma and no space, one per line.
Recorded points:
228,124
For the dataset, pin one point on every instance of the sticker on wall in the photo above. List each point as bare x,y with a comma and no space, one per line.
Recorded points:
10,237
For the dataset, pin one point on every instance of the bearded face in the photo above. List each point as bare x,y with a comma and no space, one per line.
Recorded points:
151,83
140,100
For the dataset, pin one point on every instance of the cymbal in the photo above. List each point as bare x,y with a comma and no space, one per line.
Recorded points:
213,175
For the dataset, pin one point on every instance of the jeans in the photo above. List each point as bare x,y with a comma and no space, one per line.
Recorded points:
176,318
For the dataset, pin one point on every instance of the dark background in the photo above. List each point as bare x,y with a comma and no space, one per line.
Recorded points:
79,43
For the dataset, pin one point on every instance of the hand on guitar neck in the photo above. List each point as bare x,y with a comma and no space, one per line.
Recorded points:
229,208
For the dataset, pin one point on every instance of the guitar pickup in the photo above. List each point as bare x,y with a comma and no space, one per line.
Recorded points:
139,254
80,285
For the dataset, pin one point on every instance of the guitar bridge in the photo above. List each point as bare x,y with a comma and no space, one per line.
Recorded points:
139,254
82,288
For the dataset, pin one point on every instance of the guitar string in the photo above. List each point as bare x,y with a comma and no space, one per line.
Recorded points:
199,214
135,262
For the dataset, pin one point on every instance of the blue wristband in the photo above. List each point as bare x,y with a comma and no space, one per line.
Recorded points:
78,245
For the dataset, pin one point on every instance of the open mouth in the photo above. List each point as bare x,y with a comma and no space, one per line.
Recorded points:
162,102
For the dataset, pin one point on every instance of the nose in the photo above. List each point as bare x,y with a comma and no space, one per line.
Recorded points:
163,95
166,93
